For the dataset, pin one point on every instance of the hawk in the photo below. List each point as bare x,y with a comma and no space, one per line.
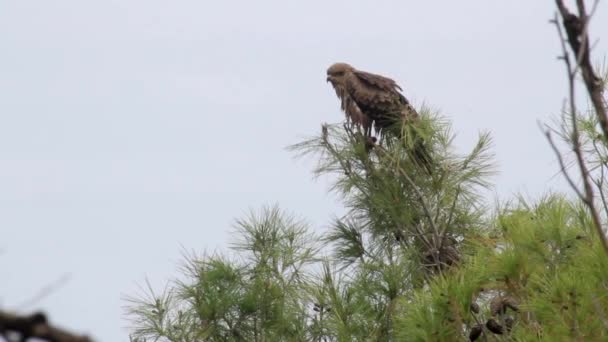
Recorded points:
368,99
371,100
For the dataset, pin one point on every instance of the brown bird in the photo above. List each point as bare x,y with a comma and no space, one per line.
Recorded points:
371,100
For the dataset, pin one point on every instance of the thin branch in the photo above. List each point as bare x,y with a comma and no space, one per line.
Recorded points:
562,167
425,207
600,183
576,31
45,291
451,215
419,194
344,165
576,28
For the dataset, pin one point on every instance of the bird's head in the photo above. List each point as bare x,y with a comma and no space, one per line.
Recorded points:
336,72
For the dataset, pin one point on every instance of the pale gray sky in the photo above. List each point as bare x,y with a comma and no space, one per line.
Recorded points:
131,128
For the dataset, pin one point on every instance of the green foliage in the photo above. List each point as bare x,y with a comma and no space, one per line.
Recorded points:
417,257
406,223
544,261
262,297
393,202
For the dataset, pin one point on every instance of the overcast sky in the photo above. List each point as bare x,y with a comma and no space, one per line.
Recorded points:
132,129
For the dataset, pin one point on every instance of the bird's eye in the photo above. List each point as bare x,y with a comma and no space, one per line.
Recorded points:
339,73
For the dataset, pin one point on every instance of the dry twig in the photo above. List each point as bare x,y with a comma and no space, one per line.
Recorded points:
576,28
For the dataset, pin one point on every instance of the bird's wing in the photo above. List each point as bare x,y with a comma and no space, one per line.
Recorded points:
378,81
374,93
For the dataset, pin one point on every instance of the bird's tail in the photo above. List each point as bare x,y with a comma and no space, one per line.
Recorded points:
419,148
422,156
408,133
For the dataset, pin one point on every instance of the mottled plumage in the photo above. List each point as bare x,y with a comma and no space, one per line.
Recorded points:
369,99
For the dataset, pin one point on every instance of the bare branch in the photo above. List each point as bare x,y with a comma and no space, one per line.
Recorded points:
562,167
36,326
45,291
576,30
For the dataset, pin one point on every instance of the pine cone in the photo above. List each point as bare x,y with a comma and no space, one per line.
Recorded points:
494,326
475,332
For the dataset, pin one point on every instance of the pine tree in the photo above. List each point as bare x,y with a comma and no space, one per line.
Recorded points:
259,296
417,256
404,227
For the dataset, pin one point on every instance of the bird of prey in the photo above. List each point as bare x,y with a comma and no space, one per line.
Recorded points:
368,99
371,100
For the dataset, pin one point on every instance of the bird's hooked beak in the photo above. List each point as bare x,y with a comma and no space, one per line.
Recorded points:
329,79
